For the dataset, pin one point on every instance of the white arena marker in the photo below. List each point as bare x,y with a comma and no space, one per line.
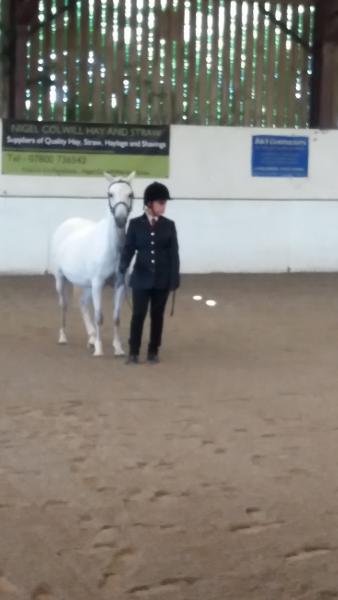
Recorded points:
197,298
211,302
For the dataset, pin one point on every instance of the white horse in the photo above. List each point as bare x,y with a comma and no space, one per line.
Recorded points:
87,254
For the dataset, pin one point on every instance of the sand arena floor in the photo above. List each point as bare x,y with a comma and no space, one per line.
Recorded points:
211,476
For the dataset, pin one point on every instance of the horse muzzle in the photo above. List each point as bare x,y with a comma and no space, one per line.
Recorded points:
120,221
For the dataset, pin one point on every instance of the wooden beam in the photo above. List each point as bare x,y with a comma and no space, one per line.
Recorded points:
4,63
20,17
324,87
26,12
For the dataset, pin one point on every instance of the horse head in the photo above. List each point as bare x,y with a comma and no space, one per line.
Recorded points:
120,198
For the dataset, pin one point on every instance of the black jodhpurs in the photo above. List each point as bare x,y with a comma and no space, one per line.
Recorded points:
141,299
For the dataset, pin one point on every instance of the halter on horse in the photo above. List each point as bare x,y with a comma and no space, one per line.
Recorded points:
113,208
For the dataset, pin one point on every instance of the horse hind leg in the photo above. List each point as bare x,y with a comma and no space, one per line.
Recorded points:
60,283
97,303
88,323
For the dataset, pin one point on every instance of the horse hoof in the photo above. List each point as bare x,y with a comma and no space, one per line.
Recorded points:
98,351
119,352
62,338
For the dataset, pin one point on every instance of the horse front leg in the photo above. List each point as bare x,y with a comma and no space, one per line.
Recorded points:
60,284
89,325
97,303
118,301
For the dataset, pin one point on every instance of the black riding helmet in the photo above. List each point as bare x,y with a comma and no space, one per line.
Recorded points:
155,191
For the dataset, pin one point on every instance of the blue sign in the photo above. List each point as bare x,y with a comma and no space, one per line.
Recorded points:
280,156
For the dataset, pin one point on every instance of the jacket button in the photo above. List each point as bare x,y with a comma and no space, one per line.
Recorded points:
152,233
153,251
153,261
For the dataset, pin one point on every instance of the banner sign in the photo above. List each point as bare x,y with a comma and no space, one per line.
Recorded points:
279,156
88,149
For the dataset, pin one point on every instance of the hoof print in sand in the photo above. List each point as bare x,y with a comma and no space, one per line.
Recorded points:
6,586
117,564
307,553
173,584
42,592
251,528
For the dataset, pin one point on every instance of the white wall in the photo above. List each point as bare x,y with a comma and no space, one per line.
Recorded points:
227,220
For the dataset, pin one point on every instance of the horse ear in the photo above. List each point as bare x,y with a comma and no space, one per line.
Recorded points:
109,177
131,176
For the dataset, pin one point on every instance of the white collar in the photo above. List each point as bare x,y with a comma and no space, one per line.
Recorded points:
151,217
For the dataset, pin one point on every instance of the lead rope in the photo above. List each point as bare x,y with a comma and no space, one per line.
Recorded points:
173,299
